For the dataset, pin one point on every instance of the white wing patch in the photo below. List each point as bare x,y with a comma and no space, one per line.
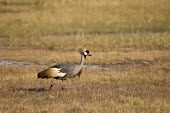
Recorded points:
60,74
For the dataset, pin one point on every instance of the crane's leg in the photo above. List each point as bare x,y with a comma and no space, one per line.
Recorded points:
62,85
55,83
52,85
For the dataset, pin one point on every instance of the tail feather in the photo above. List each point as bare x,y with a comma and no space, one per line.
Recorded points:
42,75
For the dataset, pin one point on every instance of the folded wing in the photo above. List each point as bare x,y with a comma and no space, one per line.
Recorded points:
51,73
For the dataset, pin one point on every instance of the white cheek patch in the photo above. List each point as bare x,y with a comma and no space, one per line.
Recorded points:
85,53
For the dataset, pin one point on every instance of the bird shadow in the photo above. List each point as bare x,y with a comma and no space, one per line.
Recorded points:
33,89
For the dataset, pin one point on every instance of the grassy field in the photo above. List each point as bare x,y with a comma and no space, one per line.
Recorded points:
144,87
37,18
130,39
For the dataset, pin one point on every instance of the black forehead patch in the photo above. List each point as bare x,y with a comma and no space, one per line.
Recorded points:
87,51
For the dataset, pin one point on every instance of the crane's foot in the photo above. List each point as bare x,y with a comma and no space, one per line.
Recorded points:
62,88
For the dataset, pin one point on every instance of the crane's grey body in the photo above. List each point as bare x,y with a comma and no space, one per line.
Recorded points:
71,70
64,71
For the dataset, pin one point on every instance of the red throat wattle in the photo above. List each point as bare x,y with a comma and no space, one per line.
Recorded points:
84,57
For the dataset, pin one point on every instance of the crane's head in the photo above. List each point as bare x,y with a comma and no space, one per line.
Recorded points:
85,52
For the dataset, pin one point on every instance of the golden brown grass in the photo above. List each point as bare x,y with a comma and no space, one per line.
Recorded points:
143,88
101,42
126,90
37,18
131,37
98,58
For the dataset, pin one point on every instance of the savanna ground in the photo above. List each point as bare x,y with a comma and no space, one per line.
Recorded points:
129,37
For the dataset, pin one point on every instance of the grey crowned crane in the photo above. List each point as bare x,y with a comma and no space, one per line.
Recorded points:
64,71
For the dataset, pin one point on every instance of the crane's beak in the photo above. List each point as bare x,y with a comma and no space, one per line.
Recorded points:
89,55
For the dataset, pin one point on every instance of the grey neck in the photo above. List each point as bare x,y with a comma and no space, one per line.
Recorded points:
82,60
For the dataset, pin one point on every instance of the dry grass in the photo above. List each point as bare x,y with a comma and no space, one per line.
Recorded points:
98,58
127,90
136,89
37,18
102,42
131,37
